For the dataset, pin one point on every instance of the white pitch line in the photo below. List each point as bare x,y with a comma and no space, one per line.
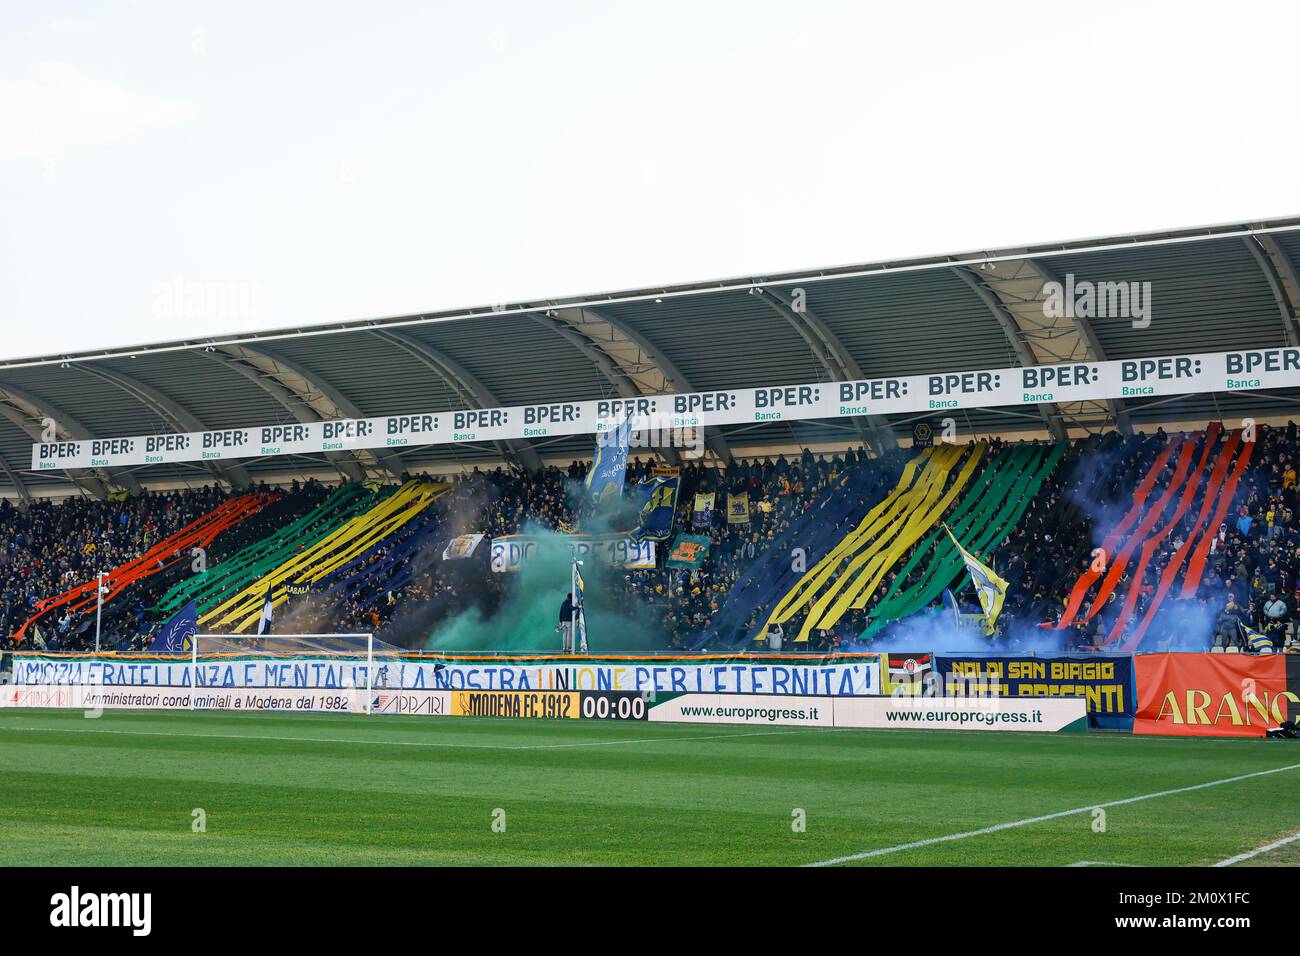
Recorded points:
1258,850
998,827
1096,863
408,743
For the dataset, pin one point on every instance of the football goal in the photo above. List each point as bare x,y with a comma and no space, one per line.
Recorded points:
334,671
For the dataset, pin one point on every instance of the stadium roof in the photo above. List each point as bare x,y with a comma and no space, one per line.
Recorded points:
1215,288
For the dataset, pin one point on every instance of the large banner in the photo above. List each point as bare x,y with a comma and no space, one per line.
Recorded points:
1106,683
853,675
941,392
616,550
1215,695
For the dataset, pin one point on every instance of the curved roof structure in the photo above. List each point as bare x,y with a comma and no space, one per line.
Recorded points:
1214,288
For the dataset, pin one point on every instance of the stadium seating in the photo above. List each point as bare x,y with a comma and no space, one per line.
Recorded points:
1195,531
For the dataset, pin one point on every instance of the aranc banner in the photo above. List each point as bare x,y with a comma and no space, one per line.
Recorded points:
1215,695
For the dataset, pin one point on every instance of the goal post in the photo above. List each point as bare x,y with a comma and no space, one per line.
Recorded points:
360,649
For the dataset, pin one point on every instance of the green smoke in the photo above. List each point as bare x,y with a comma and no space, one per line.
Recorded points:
526,619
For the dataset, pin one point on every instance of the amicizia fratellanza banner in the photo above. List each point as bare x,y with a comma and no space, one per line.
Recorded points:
841,675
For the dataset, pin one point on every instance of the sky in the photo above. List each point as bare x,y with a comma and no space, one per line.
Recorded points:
179,169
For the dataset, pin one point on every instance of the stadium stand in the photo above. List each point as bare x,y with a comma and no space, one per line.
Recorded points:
1196,521
845,542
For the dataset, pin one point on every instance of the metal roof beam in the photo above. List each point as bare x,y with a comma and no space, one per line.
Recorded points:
25,409
327,400
1118,410
608,366
167,408
20,486
1050,411
465,384
673,376
1275,264
832,354
348,466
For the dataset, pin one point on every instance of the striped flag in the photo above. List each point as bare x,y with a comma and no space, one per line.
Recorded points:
1255,640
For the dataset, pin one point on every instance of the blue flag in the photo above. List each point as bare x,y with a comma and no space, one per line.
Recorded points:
658,508
609,464
176,636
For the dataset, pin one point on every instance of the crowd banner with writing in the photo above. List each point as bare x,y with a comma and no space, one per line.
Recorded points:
462,546
1106,683
939,392
833,676
1215,695
738,508
509,552
702,510
658,498
689,551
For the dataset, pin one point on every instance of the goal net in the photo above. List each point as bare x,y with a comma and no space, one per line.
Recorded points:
310,672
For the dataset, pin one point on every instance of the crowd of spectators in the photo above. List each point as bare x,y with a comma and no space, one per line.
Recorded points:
1253,575
675,603
53,546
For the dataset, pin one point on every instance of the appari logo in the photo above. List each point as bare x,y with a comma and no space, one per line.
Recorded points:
75,909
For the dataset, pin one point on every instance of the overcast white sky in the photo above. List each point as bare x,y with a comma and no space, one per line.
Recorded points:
302,163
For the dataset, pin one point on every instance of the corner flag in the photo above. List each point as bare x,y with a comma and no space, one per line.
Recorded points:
264,622
992,590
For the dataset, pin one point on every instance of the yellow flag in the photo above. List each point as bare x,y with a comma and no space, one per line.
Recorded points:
992,590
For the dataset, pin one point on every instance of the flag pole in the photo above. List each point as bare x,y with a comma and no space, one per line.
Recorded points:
99,606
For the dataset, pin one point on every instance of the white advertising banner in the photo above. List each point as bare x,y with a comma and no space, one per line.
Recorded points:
964,713
1004,387
745,709
880,713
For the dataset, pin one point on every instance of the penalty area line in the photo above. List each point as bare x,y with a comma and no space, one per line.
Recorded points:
1276,844
1013,824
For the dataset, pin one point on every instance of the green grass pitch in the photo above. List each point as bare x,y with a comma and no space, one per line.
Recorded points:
338,790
